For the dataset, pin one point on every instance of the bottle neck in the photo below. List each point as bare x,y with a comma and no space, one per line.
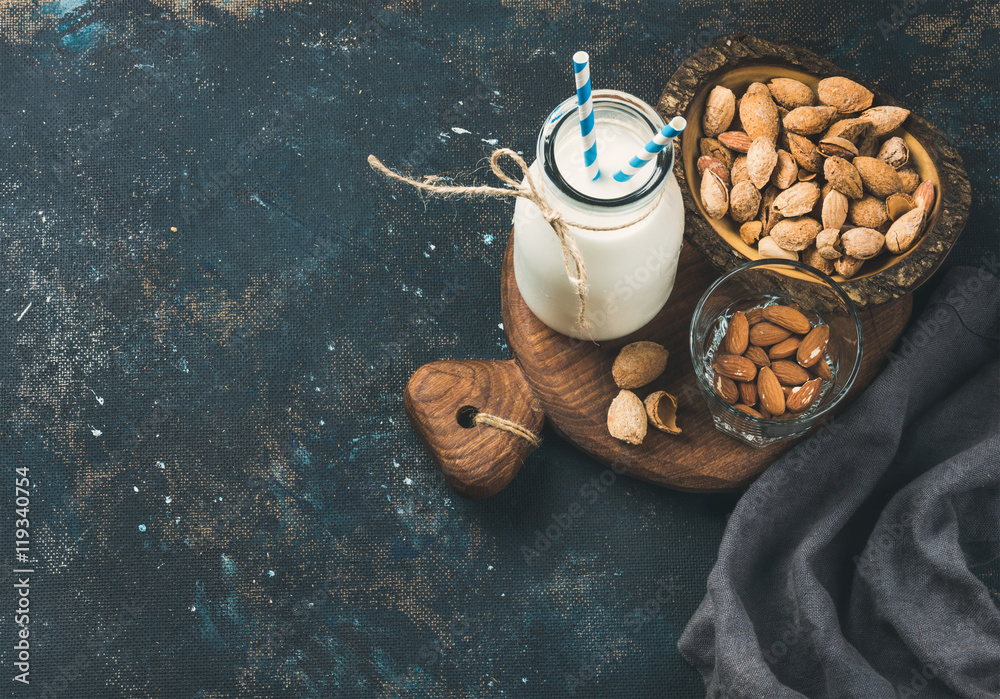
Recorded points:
624,125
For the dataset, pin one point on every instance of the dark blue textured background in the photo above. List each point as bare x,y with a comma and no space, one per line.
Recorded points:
228,500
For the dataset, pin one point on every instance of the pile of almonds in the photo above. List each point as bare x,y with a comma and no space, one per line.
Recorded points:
637,365
812,175
772,362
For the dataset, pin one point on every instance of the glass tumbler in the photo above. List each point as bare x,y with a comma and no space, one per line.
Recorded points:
763,283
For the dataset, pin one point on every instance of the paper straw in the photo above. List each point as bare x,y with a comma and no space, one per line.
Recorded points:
581,66
659,142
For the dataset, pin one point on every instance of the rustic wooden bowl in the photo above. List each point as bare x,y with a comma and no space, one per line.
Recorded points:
737,61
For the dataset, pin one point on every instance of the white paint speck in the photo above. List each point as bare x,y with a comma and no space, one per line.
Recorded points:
457,129
96,432
161,464
500,325
270,573
488,239
489,141
135,488
168,499
24,311
408,481
395,464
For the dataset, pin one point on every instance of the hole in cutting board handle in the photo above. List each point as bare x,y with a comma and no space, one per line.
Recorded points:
466,416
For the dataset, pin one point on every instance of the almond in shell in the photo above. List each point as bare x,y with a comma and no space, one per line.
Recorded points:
661,408
807,121
843,177
837,146
853,130
714,148
639,363
744,201
905,232
828,243
878,177
796,234
751,231
761,159
867,212
791,93
719,110
811,257
708,162
844,94
835,208
714,195
759,113
797,200
868,147
768,216
627,418
885,118
910,179
805,153
894,153
786,172
862,243
847,266
813,346
739,171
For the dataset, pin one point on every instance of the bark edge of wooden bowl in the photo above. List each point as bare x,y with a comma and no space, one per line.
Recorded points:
882,280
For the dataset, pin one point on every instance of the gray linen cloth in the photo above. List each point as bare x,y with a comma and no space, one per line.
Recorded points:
844,570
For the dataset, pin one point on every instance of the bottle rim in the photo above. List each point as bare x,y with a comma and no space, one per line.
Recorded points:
565,115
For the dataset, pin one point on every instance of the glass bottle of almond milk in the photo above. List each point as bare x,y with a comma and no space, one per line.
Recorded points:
630,271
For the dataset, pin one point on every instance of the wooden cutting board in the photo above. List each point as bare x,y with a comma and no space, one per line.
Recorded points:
569,382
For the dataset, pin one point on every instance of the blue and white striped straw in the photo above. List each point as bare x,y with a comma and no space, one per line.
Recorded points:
581,66
659,142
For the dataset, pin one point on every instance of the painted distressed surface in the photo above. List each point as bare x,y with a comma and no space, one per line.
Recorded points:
210,307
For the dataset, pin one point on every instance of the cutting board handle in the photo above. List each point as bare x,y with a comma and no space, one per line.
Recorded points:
478,456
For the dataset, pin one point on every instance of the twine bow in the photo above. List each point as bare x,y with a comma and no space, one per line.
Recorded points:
576,271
